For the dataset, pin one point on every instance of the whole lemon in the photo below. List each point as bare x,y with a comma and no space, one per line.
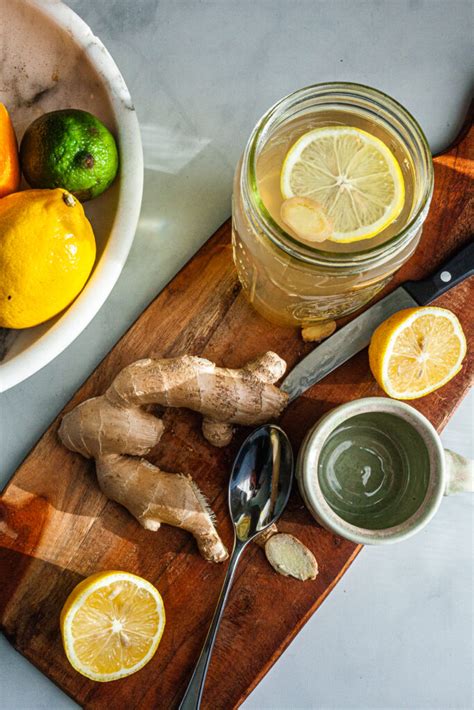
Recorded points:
47,251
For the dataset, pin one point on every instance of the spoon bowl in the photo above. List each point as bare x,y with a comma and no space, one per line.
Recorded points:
260,482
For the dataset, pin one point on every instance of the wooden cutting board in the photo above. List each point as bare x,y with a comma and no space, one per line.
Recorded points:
56,527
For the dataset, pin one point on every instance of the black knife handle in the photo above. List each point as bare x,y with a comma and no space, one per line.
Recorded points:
451,273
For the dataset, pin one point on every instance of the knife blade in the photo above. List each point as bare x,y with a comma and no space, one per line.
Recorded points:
345,343
356,335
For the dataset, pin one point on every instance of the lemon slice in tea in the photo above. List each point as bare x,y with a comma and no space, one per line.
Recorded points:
353,176
111,625
416,351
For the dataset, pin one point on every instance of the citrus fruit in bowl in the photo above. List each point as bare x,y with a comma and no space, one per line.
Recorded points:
9,164
72,149
65,66
47,251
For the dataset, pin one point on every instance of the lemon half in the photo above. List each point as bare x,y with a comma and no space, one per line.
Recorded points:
353,176
416,351
111,625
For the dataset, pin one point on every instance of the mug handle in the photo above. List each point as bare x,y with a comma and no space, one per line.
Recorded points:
460,473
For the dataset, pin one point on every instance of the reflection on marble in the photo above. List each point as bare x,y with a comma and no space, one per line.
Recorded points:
43,69
167,150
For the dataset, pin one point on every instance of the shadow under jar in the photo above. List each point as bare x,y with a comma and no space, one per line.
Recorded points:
294,283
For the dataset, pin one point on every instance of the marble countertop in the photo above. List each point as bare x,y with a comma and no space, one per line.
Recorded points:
397,631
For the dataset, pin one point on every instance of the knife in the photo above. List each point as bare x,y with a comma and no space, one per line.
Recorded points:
355,336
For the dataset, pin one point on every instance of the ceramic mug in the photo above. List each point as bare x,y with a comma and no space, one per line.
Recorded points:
374,471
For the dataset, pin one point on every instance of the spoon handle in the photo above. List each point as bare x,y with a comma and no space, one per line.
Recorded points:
193,694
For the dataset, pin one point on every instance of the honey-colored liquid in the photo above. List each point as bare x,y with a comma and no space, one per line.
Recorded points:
272,156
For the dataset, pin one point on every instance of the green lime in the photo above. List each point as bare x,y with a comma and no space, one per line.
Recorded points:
71,149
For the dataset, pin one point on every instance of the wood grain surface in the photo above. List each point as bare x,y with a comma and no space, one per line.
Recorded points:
56,527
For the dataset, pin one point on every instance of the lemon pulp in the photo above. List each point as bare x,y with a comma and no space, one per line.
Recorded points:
111,625
351,174
417,351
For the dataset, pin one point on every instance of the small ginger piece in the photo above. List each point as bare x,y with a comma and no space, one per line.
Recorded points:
307,219
288,556
318,331
266,535
217,433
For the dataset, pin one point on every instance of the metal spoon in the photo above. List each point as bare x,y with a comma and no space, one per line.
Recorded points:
259,487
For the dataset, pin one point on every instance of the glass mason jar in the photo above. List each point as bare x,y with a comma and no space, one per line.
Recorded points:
291,283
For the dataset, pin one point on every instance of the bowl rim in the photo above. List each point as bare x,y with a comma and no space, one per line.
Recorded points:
109,266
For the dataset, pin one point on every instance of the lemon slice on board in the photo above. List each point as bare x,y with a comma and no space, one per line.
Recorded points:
352,174
111,625
416,351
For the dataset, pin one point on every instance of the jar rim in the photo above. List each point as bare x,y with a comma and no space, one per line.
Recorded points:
286,241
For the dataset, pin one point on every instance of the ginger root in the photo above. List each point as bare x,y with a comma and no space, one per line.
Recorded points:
153,497
287,555
116,431
266,535
318,331
116,437
96,428
224,396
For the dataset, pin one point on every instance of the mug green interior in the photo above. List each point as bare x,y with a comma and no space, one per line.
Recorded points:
374,470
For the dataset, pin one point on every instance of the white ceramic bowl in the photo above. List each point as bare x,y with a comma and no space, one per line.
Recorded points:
51,60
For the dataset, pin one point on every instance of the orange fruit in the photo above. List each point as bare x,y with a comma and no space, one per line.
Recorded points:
9,163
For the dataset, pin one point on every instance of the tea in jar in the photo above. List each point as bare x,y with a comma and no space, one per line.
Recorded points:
329,200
